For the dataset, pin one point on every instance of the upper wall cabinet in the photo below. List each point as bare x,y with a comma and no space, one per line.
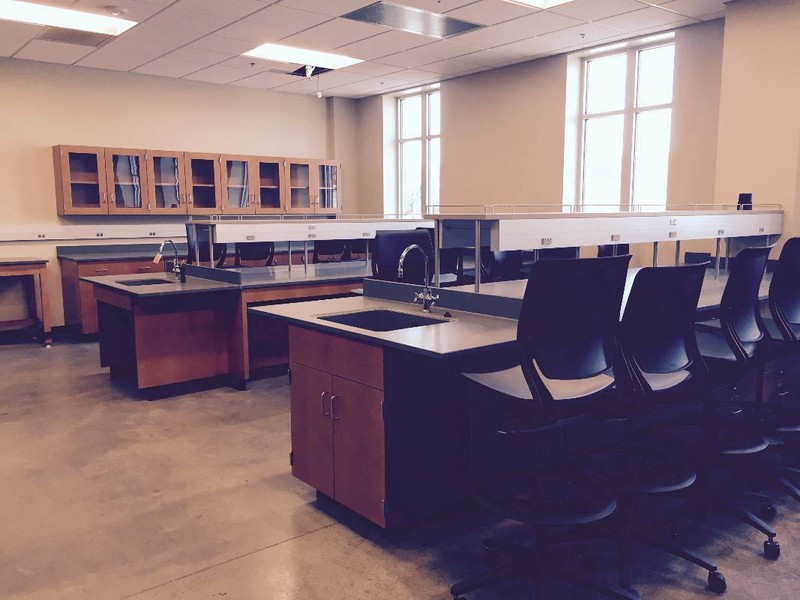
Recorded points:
327,190
269,184
166,183
80,180
203,183
313,186
126,181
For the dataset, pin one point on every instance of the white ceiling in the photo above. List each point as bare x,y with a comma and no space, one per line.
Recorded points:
203,40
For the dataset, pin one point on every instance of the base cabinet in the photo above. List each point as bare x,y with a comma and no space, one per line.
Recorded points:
338,437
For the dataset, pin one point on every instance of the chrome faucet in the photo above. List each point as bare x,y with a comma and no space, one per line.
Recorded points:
427,298
176,266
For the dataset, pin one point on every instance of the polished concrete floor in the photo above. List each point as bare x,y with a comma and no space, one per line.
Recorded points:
105,496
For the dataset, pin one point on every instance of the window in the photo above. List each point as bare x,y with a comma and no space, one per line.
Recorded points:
627,119
419,152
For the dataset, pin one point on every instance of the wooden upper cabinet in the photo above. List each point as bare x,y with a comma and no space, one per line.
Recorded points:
299,191
269,185
166,183
327,188
80,180
238,185
126,181
203,183
313,186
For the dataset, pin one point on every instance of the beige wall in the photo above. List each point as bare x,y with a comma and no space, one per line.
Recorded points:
42,105
759,121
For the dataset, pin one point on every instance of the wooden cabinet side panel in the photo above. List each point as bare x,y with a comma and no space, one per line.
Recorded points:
312,428
339,356
61,181
70,291
358,449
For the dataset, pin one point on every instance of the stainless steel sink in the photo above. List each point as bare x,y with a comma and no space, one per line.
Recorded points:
382,320
151,281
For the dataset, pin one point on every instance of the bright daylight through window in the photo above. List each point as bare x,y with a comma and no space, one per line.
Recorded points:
419,152
627,116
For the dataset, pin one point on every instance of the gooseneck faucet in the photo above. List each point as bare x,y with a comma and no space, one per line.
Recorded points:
176,267
427,298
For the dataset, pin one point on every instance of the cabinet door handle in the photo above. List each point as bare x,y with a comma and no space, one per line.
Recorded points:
144,268
322,404
333,407
101,271
190,199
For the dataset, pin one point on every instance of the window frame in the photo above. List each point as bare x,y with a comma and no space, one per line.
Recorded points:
629,113
425,140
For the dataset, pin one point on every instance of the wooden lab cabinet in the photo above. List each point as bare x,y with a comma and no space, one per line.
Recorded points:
338,439
80,174
314,186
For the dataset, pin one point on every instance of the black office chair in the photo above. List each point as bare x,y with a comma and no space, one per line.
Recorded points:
202,243
387,248
331,251
505,265
451,260
567,349
561,253
261,252
604,250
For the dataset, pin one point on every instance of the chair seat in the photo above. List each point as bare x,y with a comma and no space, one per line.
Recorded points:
547,500
712,343
511,382
660,382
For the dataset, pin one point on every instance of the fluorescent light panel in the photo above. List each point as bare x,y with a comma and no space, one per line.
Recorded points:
539,3
53,16
300,56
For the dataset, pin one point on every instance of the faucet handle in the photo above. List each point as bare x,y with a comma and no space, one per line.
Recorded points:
157,257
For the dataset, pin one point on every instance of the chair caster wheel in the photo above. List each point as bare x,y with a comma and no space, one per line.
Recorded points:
716,582
772,550
767,512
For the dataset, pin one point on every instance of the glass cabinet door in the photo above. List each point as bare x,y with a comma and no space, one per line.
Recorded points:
165,179
236,188
80,180
328,187
299,198
269,186
202,183
125,175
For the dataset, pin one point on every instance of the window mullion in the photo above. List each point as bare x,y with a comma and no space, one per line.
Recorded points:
628,132
423,202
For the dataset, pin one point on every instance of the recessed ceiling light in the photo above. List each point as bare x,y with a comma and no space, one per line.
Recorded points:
539,3
300,56
53,16
413,20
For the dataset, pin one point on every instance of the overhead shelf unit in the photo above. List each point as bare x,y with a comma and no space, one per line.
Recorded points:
507,227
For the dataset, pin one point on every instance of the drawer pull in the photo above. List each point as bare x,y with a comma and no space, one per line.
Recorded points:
144,268
322,404
333,407
101,270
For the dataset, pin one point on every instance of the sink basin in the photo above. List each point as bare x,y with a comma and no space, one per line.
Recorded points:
151,281
382,320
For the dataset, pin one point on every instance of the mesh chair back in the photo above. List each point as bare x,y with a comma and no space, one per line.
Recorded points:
387,248
784,291
570,315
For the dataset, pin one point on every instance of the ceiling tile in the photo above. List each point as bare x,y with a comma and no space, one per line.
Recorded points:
371,69
426,54
167,67
272,23
491,12
699,9
135,10
14,36
54,52
644,18
373,86
218,74
333,8
587,34
383,44
533,47
517,29
266,80
217,43
415,76
333,34
591,10
336,78
256,65
489,58
234,9
119,58
452,67
198,57
300,85
436,6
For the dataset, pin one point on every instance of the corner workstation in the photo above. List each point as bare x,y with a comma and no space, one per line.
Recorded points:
420,299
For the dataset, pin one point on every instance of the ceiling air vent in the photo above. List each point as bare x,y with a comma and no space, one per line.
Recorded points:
414,20
75,37
304,72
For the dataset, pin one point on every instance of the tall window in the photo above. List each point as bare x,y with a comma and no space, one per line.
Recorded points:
419,152
627,118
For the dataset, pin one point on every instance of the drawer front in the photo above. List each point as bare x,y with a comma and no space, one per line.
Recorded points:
340,356
132,267
95,269
781,380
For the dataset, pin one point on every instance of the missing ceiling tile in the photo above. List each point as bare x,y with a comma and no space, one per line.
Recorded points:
413,20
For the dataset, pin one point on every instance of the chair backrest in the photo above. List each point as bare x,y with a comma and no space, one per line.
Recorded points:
569,318
255,251
387,248
331,250
604,250
450,259
784,291
202,243
657,332
740,314
561,253
502,265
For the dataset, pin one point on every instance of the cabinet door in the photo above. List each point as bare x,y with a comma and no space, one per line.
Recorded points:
80,180
126,181
312,428
299,193
237,185
327,192
203,183
358,448
269,185
166,183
